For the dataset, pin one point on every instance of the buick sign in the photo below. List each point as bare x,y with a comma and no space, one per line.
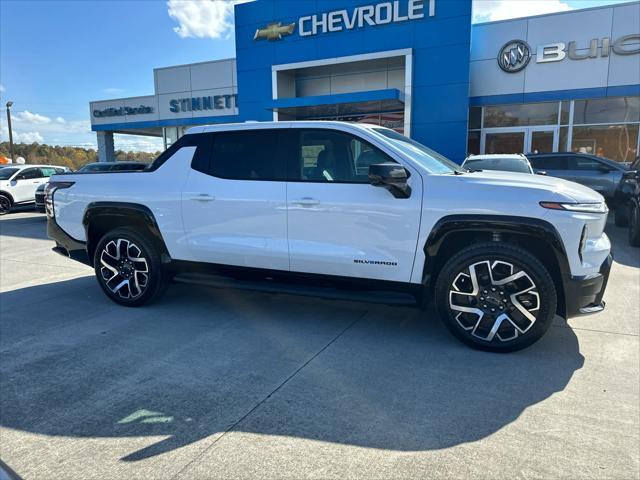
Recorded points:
514,56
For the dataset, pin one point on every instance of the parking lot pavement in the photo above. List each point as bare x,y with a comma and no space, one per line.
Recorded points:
212,383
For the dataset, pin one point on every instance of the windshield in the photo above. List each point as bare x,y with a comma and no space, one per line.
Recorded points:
501,164
431,160
95,167
7,172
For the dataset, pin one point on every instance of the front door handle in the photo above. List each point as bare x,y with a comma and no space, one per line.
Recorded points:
203,197
306,202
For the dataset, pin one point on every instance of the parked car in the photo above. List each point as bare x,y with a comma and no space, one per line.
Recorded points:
517,163
601,174
18,183
630,191
284,205
39,199
112,167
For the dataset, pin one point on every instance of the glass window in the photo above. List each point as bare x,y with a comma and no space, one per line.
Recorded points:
48,171
549,162
332,156
565,112
475,118
563,140
513,164
579,162
507,142
473,143
248,155
617,142
29,173
7,172
607,110
521,115
431,160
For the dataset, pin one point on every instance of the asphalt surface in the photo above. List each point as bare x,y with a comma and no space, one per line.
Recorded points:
213,383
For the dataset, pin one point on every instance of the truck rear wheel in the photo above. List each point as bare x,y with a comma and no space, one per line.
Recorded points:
496,297
129,269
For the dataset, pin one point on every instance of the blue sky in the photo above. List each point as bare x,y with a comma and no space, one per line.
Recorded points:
56,56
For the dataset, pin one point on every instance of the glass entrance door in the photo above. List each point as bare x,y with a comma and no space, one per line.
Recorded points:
519,140
542,141
504,142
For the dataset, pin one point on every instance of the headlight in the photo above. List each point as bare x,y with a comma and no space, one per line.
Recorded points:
598,207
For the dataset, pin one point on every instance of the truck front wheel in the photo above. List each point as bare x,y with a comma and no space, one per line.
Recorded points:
128,268
496,297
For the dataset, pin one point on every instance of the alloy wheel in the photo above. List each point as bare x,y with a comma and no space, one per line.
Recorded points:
124,269
493,299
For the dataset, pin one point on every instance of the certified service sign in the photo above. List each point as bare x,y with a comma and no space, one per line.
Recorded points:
514,56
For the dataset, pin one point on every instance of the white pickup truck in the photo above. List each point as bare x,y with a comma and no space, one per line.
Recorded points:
313,206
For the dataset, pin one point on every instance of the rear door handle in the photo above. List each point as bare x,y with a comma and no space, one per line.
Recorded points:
306,202
203,197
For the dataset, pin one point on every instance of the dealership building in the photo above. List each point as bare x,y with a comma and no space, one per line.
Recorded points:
568,81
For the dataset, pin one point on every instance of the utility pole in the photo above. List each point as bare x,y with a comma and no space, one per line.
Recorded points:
9,104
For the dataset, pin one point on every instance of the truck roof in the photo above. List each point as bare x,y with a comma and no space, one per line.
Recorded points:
264,125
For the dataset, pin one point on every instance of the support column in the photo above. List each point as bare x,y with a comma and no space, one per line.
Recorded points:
106,152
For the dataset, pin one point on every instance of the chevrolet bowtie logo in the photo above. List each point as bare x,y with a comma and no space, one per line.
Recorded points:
274,31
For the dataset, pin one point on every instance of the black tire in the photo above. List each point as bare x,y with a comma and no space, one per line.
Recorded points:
5,204
147,278
506,327
634,226
621,216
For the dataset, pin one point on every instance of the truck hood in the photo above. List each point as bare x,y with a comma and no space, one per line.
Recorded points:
546,185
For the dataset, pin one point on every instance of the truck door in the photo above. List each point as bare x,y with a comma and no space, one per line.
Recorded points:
339,224
234,207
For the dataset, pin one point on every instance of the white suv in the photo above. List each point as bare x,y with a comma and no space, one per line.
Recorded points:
18,183
311,206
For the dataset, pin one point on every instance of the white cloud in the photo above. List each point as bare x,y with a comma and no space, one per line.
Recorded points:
20,137
203,18
33,118
112,90
135,143
494,10
2,89
28,137
60,120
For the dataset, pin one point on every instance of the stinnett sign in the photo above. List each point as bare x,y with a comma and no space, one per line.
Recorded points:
359,17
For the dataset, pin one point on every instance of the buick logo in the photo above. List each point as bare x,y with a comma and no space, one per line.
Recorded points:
514,56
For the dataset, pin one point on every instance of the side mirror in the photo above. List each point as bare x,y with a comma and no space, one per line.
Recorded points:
391,176
541,172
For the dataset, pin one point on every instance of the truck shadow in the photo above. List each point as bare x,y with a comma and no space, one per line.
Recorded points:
204,361
32,226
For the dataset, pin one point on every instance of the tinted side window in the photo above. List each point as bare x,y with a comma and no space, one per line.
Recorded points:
29,173
248,155
549,163
583,163
322,155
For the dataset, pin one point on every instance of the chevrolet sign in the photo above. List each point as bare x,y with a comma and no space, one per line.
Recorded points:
359,17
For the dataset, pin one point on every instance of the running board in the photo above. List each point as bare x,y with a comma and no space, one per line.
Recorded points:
267,286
